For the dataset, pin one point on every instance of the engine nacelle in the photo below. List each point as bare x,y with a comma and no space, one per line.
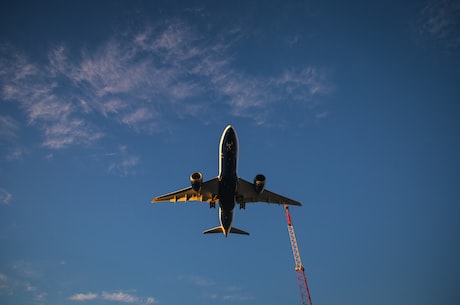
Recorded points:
196,179
259,183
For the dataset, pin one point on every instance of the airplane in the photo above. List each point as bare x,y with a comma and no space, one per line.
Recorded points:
227,189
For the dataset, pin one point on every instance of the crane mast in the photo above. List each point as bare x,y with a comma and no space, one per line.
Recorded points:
299,269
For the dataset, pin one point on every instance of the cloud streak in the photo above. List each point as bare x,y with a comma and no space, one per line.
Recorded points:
118,296
439,21
83,296
15,286
122,162
197,280
222,293
142,80
5,197
8,127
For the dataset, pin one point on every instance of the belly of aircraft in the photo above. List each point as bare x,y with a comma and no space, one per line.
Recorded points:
227,193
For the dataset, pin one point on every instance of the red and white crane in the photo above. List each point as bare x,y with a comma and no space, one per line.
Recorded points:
299,269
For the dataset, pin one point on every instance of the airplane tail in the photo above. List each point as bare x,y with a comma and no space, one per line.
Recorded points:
220,230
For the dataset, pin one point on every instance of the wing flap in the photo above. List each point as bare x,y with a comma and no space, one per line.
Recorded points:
247,194
208,193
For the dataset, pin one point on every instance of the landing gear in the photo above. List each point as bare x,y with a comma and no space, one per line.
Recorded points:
212,203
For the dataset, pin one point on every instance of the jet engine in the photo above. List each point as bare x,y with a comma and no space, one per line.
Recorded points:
196,179
259,183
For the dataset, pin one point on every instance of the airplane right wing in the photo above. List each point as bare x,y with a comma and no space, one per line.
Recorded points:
247,194
208,193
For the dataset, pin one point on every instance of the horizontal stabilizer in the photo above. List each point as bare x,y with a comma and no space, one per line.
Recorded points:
214,230
238,231
220,230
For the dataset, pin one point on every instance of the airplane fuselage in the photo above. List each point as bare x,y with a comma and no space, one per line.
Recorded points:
228,178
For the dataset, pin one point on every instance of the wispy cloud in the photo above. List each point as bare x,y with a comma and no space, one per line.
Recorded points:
9,133
223,293
439,21
5,197
118,296
47,99
238,297
83,296
122,162
5,288
197,280
235,293
143,79
8,127
26,280
229,296
26,269
14,286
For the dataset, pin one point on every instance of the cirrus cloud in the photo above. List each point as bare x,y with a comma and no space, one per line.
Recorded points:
5,197
144,79
83,296
117,296
439,22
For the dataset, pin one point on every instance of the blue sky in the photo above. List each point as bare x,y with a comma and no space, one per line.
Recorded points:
350,107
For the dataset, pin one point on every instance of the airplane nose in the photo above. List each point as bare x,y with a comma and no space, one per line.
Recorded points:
230,135
230,131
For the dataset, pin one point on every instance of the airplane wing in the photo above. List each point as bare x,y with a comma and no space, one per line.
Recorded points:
208,193
247,194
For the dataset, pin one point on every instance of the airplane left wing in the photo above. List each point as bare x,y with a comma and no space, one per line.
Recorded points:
247,194
208,193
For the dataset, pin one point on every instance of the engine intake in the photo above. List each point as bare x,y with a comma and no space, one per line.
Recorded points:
259,183
196,179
